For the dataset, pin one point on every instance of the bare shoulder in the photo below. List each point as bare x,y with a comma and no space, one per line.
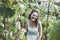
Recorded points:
39,23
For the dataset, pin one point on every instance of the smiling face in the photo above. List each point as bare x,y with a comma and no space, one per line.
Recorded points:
34,16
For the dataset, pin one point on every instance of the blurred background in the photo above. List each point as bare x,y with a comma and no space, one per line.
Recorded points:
14,13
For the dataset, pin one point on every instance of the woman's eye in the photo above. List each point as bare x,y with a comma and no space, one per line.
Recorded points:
33,15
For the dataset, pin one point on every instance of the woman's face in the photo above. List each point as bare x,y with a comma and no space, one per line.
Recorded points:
34,16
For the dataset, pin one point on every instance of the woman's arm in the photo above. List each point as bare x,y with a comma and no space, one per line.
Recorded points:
39,30
26,28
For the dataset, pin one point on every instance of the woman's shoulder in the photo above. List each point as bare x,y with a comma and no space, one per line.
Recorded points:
39,24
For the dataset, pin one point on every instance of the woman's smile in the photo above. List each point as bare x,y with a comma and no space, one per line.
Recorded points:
34,16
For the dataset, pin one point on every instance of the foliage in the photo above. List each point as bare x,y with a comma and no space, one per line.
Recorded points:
13,15
54,32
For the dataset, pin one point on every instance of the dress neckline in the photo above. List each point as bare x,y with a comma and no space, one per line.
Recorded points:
29,25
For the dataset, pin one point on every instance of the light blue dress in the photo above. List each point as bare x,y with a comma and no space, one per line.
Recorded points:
32,33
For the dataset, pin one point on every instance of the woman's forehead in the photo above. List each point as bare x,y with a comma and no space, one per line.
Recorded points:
35,13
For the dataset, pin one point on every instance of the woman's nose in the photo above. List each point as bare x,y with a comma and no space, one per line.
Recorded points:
34,16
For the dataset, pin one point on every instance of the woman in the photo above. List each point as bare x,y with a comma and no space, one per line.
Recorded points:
33,26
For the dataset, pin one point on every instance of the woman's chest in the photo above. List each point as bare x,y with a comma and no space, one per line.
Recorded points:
33,30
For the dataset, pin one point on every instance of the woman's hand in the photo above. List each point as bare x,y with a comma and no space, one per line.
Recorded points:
38,38
24,30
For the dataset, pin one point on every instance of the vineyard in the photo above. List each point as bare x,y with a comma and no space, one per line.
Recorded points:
14,13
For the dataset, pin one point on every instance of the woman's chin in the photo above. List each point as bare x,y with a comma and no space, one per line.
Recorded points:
33,20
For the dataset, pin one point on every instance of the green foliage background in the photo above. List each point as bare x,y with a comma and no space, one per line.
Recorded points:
13,11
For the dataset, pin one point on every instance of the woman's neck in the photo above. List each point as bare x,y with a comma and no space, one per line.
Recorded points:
32,23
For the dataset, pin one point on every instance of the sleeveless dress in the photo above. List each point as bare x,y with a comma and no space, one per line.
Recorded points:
32,33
